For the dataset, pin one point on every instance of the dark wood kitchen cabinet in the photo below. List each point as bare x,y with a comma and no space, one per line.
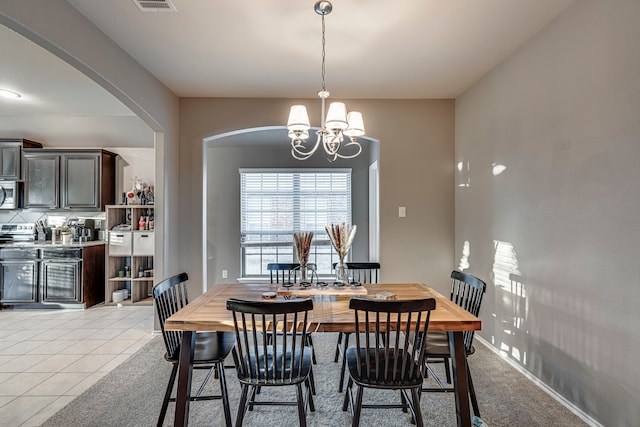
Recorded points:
45,275
11,157
69,179
72,275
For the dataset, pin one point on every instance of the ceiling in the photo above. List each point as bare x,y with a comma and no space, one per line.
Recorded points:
256,48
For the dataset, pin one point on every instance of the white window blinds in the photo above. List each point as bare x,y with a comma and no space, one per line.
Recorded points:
278,202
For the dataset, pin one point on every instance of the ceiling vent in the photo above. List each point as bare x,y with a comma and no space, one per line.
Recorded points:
155,5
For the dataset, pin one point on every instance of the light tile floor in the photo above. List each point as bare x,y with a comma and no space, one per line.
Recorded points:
48,357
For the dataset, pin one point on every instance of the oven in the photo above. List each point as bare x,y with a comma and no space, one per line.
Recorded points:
61,275
9,195
19,271
19,266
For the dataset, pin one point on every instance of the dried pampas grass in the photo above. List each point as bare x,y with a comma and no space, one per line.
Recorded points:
341,236
303,246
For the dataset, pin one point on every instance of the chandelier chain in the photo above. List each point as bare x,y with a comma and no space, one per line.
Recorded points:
323,55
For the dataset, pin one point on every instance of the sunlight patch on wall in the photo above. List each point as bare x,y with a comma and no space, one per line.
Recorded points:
463,176
511,302
505,263
464,260
497,169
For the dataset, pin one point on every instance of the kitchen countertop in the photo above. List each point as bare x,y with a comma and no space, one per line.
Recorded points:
49,244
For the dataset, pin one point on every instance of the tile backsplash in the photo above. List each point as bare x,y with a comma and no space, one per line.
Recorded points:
50,219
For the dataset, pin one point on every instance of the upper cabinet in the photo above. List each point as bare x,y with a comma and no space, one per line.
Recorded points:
10,156
69,179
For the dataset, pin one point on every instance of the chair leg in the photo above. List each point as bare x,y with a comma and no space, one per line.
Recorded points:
344,362
167,394
403,400
312,405
242,407
472,393
252,398
347,394
447,370
313,349
312,382
355,422
301,415
417,412
223,392
212,371
335,358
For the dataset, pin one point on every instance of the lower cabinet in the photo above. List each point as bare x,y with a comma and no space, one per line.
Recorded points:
52,275
61,281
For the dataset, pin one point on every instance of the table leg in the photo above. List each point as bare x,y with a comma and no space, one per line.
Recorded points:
460,379
185,368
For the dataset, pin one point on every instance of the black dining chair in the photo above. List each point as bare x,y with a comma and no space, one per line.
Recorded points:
283,273
211,348
262,362
467,292
392,363
286,274
361,272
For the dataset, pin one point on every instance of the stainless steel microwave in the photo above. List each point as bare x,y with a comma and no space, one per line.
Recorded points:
9,195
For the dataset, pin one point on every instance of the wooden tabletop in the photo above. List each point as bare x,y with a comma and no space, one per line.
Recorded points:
331,313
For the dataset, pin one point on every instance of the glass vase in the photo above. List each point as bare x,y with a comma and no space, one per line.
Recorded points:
342,274
303,275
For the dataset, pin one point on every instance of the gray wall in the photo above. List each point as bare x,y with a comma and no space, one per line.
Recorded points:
416,171
223,189
556,234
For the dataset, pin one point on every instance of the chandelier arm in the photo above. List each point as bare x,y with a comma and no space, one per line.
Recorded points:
352,142
298,149
331,141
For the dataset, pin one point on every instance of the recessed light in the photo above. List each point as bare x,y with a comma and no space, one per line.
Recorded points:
6,93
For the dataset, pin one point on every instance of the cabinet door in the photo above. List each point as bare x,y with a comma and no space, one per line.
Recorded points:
18,281
10,161
61,281
41,188
80,176
119,243
143,243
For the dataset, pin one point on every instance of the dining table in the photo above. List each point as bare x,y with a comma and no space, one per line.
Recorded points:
331,313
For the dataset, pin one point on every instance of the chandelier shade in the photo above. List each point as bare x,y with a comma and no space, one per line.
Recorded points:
336,116
356,124
335,124
298,119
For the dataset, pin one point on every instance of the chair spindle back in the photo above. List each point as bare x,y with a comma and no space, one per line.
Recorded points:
392,351
170,295
467,292
260,360
283,273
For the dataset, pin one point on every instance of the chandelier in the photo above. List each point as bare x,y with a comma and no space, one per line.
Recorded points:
335,125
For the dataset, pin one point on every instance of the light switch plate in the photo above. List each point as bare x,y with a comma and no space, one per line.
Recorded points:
402,211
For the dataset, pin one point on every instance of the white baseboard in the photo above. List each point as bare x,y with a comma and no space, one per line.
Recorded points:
544,387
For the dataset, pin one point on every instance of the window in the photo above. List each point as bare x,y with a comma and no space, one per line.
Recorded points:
275,203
